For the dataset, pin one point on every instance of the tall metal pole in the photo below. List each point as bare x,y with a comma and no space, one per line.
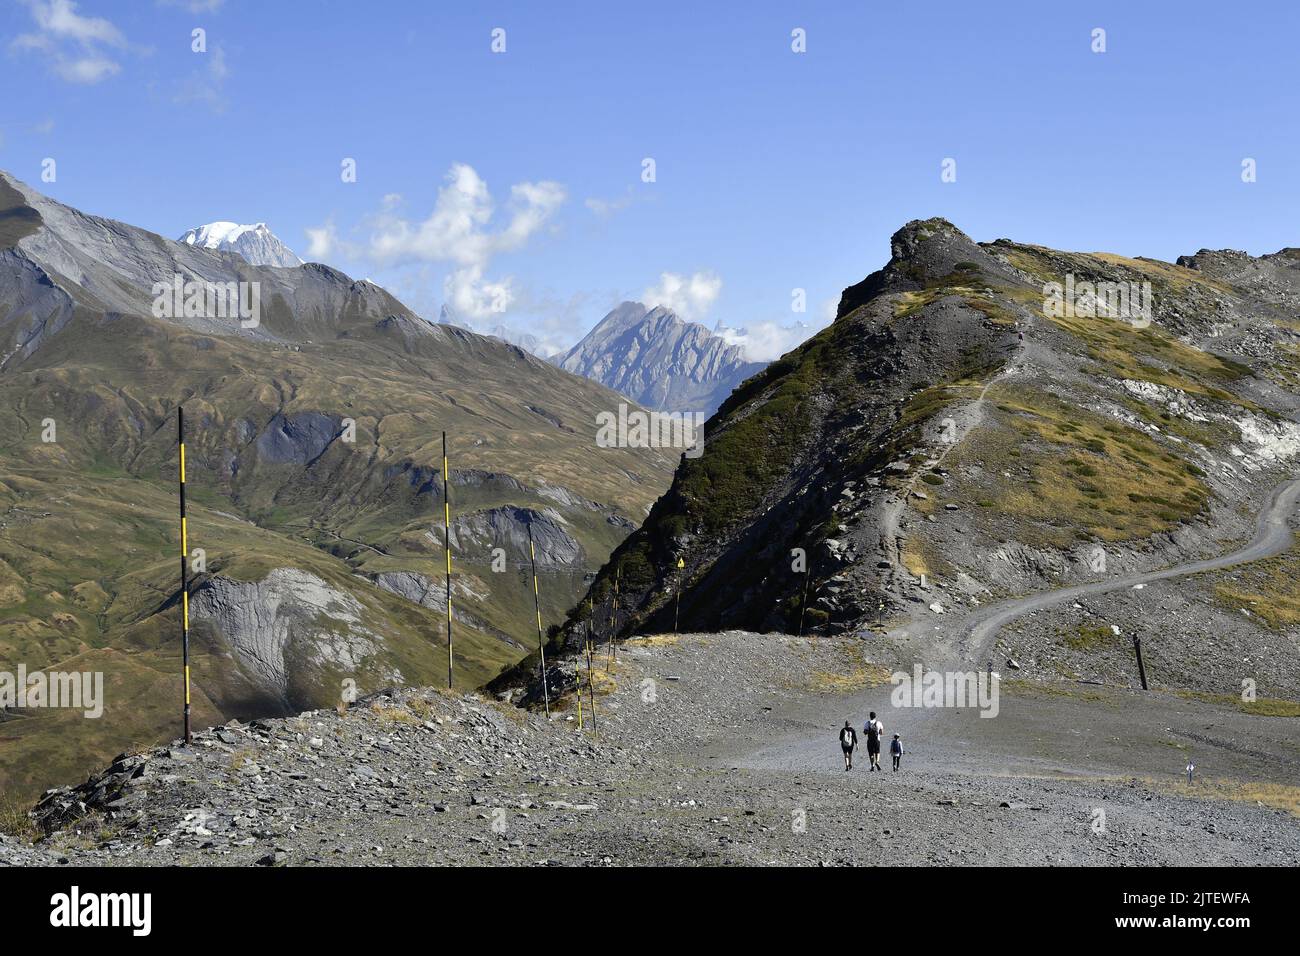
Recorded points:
613,636
446,547
591,689
185,580
677,604
537,603
577,680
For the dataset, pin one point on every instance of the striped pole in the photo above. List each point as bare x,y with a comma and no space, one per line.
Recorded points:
446,547
591,688
677,605
591,694
185,579
537,604
614,637
577,679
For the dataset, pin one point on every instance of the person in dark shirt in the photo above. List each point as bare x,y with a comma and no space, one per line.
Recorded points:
874,731
848,741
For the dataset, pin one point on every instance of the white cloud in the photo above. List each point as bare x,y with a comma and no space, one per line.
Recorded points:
459,230
321,241
768,341
59,18
468,293
194,6
556,319
74,44
829,308
87,70
689,296
207,85
605,208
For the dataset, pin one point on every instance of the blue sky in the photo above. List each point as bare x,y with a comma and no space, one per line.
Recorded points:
774,170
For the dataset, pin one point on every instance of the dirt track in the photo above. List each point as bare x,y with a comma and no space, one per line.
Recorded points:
1272,536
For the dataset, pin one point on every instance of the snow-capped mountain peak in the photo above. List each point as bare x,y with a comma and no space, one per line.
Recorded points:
256,243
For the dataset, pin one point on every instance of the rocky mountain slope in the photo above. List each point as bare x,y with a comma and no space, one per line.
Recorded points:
314,461
959,435
256,243
658,360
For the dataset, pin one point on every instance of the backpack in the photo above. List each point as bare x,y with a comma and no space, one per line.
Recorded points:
873,731
846,737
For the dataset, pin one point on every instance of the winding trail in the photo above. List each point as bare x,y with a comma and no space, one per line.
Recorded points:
1272,536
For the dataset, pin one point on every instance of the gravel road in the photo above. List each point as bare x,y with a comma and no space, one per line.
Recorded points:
713,749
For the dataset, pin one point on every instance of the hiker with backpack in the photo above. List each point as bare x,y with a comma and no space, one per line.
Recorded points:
896,750
874,729
848,741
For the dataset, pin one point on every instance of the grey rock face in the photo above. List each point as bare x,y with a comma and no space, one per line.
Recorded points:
416,588
658,360
296,439
507,528
288,619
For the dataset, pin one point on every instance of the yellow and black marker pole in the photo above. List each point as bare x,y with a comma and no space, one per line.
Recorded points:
185,578
677,605
537,605
446,547
591,688
577,681
613,633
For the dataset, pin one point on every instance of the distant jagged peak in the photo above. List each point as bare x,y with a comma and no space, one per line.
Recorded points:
449,316
658,359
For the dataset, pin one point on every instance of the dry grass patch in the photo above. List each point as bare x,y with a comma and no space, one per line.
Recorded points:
602,682
653,640
1071,689
15,821
858,676
393,715
241,757
1267,589
1260,707
1090,475
1278,795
